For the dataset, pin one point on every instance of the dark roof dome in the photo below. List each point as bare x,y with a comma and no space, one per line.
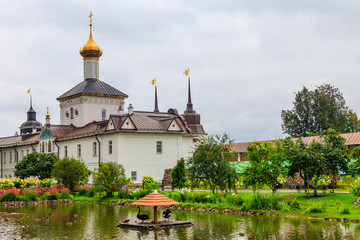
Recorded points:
93,87
31,123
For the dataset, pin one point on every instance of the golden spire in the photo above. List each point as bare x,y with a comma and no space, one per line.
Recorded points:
47,113
91,50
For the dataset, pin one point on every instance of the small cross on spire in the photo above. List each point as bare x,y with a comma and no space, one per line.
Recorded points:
90,16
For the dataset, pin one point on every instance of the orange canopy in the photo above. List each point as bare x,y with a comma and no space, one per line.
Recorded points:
154,199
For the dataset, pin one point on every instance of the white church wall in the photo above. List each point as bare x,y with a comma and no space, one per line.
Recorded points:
88,109
86,148
138,153
9,166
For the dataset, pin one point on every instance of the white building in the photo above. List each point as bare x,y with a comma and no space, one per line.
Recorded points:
95,127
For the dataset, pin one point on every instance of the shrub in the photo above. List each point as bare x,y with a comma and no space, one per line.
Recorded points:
294,204
6,183
71,172
178,174
109,177
17,182
47,182
355,187
152,186
83,189
91,192
64,195
345,211
314,210
30,181
9,195
264,202
341,184
357,201
140,193
234,199
148,179
324,182
29,194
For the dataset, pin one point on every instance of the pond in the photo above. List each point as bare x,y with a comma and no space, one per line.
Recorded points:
99,221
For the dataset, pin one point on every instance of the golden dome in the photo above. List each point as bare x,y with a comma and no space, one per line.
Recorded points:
91,50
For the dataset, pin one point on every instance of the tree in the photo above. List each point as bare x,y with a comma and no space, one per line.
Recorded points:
71,172
178,174
325,155
355,161
319,110
210,161
267,163
109,177
36,164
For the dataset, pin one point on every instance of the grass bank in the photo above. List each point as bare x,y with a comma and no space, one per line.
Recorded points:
330,206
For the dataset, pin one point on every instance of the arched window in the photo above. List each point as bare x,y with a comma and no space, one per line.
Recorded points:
42,147
49,146
71,113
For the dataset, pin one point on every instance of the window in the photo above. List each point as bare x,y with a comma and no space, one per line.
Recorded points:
159,147
22,154
65,152
103,114
133,175
67,114
110,147
71,113
10,161
79,150
76,112
16,156
49,146
27,151
42,147
4,157
94,148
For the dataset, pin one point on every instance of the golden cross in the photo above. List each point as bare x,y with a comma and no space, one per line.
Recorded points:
90,18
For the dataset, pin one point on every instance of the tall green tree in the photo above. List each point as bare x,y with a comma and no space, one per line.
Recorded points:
355,161
36,164
267,163
71,172
325,155
318,110
210,162
178,174
109,177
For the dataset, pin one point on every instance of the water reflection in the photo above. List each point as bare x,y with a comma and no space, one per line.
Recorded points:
99,221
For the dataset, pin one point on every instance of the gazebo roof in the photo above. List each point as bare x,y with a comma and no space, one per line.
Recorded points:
154,199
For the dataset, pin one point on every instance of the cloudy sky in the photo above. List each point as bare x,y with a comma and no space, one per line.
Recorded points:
246,57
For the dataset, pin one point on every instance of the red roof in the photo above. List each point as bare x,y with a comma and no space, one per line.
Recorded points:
350,140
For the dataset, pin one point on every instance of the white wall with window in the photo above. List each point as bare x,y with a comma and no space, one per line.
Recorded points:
89,106
94,149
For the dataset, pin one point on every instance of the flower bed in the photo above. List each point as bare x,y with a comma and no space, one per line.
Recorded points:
31,189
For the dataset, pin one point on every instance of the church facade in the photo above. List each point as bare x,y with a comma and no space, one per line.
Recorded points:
95,126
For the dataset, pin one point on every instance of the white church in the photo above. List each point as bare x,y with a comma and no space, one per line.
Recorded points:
95,126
